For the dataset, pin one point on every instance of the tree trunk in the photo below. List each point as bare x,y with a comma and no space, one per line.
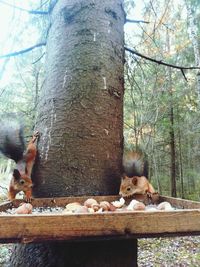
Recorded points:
80,119
173,154
180,158
80,110
193,34
171,131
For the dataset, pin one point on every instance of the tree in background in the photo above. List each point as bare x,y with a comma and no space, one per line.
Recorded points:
150,99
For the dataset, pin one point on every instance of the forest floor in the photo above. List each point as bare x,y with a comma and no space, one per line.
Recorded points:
169,252
155,252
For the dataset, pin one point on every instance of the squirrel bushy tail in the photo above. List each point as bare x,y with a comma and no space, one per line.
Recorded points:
135,164
12,143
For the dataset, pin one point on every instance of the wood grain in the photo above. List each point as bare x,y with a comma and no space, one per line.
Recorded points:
181,203
35,228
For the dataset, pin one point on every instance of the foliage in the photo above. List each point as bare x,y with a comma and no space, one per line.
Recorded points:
151,94
21,77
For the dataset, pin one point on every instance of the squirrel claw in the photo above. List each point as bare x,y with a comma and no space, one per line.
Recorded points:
36,134
149,194
28,199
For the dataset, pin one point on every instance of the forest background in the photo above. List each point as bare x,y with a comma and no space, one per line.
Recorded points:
161,105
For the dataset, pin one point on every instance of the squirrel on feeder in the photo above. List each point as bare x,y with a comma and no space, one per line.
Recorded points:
134,180
12,146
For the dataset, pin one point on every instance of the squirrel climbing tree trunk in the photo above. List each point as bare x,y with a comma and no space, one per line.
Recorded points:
80,118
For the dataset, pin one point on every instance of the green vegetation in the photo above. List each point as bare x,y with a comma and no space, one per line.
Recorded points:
161,108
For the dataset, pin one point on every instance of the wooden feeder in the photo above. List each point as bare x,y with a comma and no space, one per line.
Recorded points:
44,227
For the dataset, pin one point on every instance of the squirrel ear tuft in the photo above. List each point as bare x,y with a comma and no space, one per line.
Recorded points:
123,176
135,180
16,174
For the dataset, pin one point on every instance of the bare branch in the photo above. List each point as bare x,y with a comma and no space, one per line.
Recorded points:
35,12
136,21
38,58
159,61
182,71
14,54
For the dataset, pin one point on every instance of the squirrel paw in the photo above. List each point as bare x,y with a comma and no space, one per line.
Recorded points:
149,194
28,196
35,136
28,199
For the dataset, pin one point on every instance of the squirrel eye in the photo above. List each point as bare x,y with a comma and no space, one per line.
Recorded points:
21,181
128,189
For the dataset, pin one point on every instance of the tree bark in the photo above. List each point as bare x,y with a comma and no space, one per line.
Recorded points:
80,118
80,111
113,253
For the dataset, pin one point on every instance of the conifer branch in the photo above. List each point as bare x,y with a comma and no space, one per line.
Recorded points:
159,61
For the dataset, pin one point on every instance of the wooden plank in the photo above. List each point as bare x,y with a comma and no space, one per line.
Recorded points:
32,228
6,205
35,228
181,203
63,201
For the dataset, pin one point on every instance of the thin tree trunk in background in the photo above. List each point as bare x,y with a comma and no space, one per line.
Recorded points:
171,132
80,118
180,160
181,167
193,34
173,153
156,175
189,165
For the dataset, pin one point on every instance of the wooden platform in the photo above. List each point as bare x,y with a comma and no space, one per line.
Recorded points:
43,227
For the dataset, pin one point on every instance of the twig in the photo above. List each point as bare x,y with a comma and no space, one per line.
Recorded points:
159,61
35,12
38,58
136,21
3,90
14,54
182,71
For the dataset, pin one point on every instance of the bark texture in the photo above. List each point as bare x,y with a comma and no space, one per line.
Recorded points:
80,119
115,253
80,111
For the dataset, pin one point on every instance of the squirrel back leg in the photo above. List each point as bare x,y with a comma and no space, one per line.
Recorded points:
30,154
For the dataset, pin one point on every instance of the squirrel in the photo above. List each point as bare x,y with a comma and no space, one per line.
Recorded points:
135,185
12,146
135,177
